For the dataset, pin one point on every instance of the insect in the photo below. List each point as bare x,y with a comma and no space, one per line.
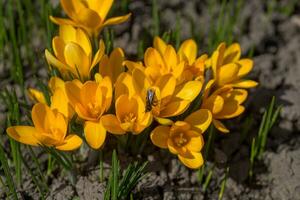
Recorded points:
150,100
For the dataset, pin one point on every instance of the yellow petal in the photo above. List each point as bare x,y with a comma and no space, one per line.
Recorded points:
42,117
130,108
115,65
188,50
83,40
62,21
178,70
102,7
89,18
153,59
88,93
207,89
174,108
227,73
166,85
94,133
232,53
195,144
56,82
73,92
71,142
105,87
200,120
220,126
36,95
77,59
163,121
55,62
99,54
132,65
246,66
159,44
189,91
140,81
170,57
159,136
116,20
193,163
60,102
60,123
124,85
67,33
238,95
245,84
214,103
58,47
112,124
23,134
231,109
71,7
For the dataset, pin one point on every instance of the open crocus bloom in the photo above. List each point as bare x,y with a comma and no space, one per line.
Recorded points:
90,100
184,138
130,116
50,129
193,68
224,103
88,14
228,68
73,53
170,99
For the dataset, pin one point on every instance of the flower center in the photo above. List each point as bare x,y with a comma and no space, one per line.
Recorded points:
94,109
130,117
180,140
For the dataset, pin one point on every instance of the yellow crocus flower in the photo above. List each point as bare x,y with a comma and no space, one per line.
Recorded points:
184,138
89,15
168,99
228,68
90,100
50,129
224,103
130,116
73,55
59,99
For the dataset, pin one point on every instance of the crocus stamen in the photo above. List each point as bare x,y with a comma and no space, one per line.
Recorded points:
94,109
130,117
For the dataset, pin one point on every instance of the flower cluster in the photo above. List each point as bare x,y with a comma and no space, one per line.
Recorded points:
107,94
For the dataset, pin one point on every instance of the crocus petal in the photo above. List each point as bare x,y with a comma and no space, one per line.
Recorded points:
77,59
36,95
124,85
189,91
159,44
174,108
83,40
163,121
200,120
88,18
220,126
71,7
67,33
42,117
227,73
159,136
131,107
116,20
99,54
58,45
193,163
112,124
60,102
102,7
195,144
188,50
140,81
170,57
23,134
246,66
56,82
238,95
106,90
132,65
115,65
153,59
94,133
232,53
231,109
244,84
55,62
166,85
73,92
62,21
71,142
88,93
214,103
